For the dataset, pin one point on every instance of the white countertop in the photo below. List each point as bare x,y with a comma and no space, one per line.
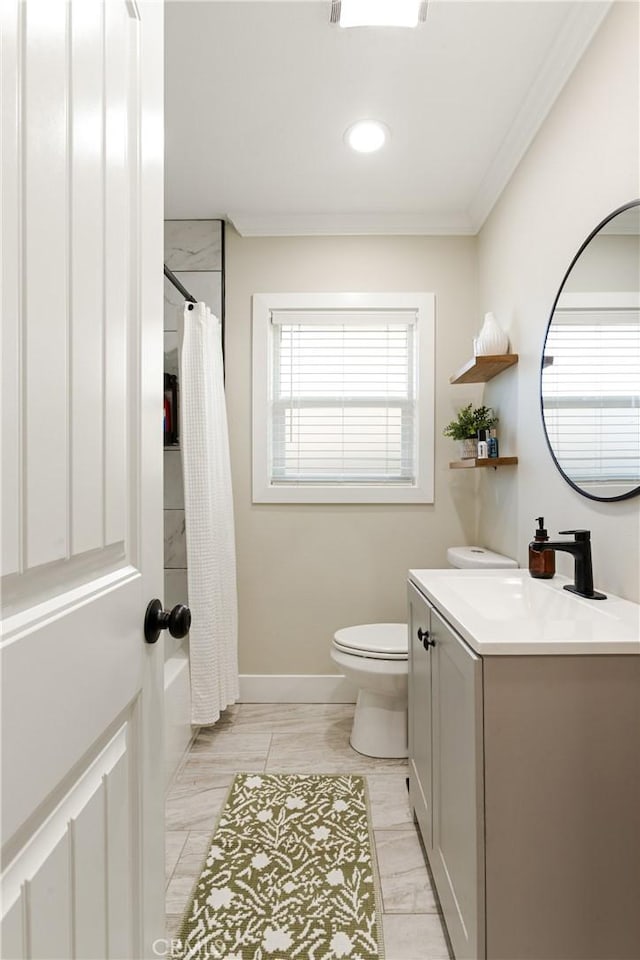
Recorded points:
508,612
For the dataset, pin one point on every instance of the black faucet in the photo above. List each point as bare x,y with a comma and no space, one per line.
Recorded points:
580,548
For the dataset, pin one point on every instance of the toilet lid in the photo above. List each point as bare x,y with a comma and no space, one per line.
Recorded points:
381,641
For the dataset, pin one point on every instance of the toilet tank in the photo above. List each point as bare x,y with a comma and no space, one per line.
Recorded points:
476,558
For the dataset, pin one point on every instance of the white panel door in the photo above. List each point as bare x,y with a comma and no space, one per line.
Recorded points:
82,751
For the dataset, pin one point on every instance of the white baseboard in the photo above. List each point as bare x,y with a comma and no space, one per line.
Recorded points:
294,688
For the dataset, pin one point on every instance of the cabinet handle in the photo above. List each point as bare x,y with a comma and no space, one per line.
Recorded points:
423,637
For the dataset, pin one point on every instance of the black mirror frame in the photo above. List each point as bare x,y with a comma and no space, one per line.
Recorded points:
594,232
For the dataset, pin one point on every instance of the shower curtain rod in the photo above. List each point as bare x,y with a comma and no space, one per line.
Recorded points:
171,277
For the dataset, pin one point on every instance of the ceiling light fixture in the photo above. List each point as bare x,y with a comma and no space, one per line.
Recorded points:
378,13
366,136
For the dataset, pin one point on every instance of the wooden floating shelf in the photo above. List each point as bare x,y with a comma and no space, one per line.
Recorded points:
482,369
473,462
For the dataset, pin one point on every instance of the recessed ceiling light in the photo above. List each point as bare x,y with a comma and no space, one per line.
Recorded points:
366,136
378,13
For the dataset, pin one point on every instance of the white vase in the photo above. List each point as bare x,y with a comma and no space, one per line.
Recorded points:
492,340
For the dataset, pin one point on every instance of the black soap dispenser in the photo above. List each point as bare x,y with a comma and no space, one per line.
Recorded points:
542,563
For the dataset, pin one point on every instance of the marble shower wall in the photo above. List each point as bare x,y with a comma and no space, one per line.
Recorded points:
193,251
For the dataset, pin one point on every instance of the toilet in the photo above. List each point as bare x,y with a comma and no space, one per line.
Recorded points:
477,558
375,658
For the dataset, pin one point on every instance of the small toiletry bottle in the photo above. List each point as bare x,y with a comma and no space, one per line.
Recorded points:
542,564
483,451
492,444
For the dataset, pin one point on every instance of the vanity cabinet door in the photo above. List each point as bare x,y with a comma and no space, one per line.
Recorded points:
457,854
420,792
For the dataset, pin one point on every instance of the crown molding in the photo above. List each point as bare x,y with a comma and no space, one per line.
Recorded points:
350,224
563,56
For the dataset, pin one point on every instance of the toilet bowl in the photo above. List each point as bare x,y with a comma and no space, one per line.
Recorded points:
374,657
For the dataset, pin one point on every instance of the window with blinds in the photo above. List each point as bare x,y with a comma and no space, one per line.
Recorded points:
345,389
344,398
592,394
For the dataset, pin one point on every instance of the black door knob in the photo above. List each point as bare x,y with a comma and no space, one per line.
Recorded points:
423,637
176,621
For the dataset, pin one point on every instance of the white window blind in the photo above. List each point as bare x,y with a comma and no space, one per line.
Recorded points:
344,392
343,397
592,394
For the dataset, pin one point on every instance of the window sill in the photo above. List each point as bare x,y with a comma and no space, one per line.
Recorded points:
341,493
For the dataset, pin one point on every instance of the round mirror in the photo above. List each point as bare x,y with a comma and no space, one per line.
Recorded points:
590,375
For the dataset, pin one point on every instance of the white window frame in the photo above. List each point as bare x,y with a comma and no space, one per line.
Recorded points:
422,491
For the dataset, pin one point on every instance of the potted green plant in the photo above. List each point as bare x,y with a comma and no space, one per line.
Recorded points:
465,428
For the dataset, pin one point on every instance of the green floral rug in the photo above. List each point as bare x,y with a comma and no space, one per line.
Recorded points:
290,873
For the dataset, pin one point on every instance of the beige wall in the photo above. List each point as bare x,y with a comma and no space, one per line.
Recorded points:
582,165
306,570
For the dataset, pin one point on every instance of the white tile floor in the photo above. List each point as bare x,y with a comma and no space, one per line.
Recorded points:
303,738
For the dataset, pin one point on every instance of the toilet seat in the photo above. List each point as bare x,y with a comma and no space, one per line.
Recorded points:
376,641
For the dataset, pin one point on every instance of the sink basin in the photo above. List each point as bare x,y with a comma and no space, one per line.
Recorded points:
502,598
509,612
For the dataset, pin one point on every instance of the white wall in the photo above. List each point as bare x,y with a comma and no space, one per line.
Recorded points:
582,165
306,570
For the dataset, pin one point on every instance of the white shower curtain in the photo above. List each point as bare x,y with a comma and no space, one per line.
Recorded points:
208,501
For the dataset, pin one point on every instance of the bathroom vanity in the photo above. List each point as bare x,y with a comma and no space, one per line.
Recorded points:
524,763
